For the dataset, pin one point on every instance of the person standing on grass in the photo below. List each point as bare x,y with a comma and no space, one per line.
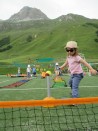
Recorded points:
28,71
73,62
34,70
57,70
19,71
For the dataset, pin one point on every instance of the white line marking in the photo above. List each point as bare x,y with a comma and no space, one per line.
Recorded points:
88,86
4,81
5,89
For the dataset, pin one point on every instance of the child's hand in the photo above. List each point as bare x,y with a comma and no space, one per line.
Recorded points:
93,72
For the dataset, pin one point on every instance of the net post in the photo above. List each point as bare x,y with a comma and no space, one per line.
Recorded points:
48,92
48,86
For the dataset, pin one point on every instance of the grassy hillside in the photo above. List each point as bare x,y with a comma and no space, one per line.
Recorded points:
48,39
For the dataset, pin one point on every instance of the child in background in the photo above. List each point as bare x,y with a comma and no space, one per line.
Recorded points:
73,62
57,70
34,70
28,71
19,71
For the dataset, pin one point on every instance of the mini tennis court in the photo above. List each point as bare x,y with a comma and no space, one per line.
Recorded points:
43,117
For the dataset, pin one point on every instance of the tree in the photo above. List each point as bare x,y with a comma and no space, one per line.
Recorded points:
96,40
97,32
29,38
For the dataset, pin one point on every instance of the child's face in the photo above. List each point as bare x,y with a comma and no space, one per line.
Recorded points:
71,51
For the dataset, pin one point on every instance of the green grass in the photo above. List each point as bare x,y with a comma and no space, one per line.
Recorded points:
34,90
51,37
47,119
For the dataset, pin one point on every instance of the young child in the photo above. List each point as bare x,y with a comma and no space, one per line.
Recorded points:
34,70
19,71
28,71
57,69
74,61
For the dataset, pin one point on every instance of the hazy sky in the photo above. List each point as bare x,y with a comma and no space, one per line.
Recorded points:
52,8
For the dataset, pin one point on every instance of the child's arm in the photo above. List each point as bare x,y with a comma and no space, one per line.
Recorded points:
64,65
92,71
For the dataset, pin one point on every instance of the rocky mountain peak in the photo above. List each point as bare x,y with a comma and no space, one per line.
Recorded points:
28,13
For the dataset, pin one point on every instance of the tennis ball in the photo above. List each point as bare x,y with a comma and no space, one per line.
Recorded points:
48,72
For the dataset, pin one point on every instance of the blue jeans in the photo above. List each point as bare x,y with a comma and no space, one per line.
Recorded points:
74,84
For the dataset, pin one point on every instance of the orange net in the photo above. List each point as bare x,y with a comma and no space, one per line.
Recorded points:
55,102
36,115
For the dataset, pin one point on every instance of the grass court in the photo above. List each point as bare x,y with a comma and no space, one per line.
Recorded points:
61,118
36,88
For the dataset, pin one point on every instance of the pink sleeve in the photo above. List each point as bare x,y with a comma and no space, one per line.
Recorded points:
78,58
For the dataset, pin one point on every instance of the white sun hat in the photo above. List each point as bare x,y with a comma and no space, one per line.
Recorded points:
56,64
71,44
28,65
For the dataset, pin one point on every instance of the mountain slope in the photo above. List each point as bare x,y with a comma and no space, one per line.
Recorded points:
47,38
